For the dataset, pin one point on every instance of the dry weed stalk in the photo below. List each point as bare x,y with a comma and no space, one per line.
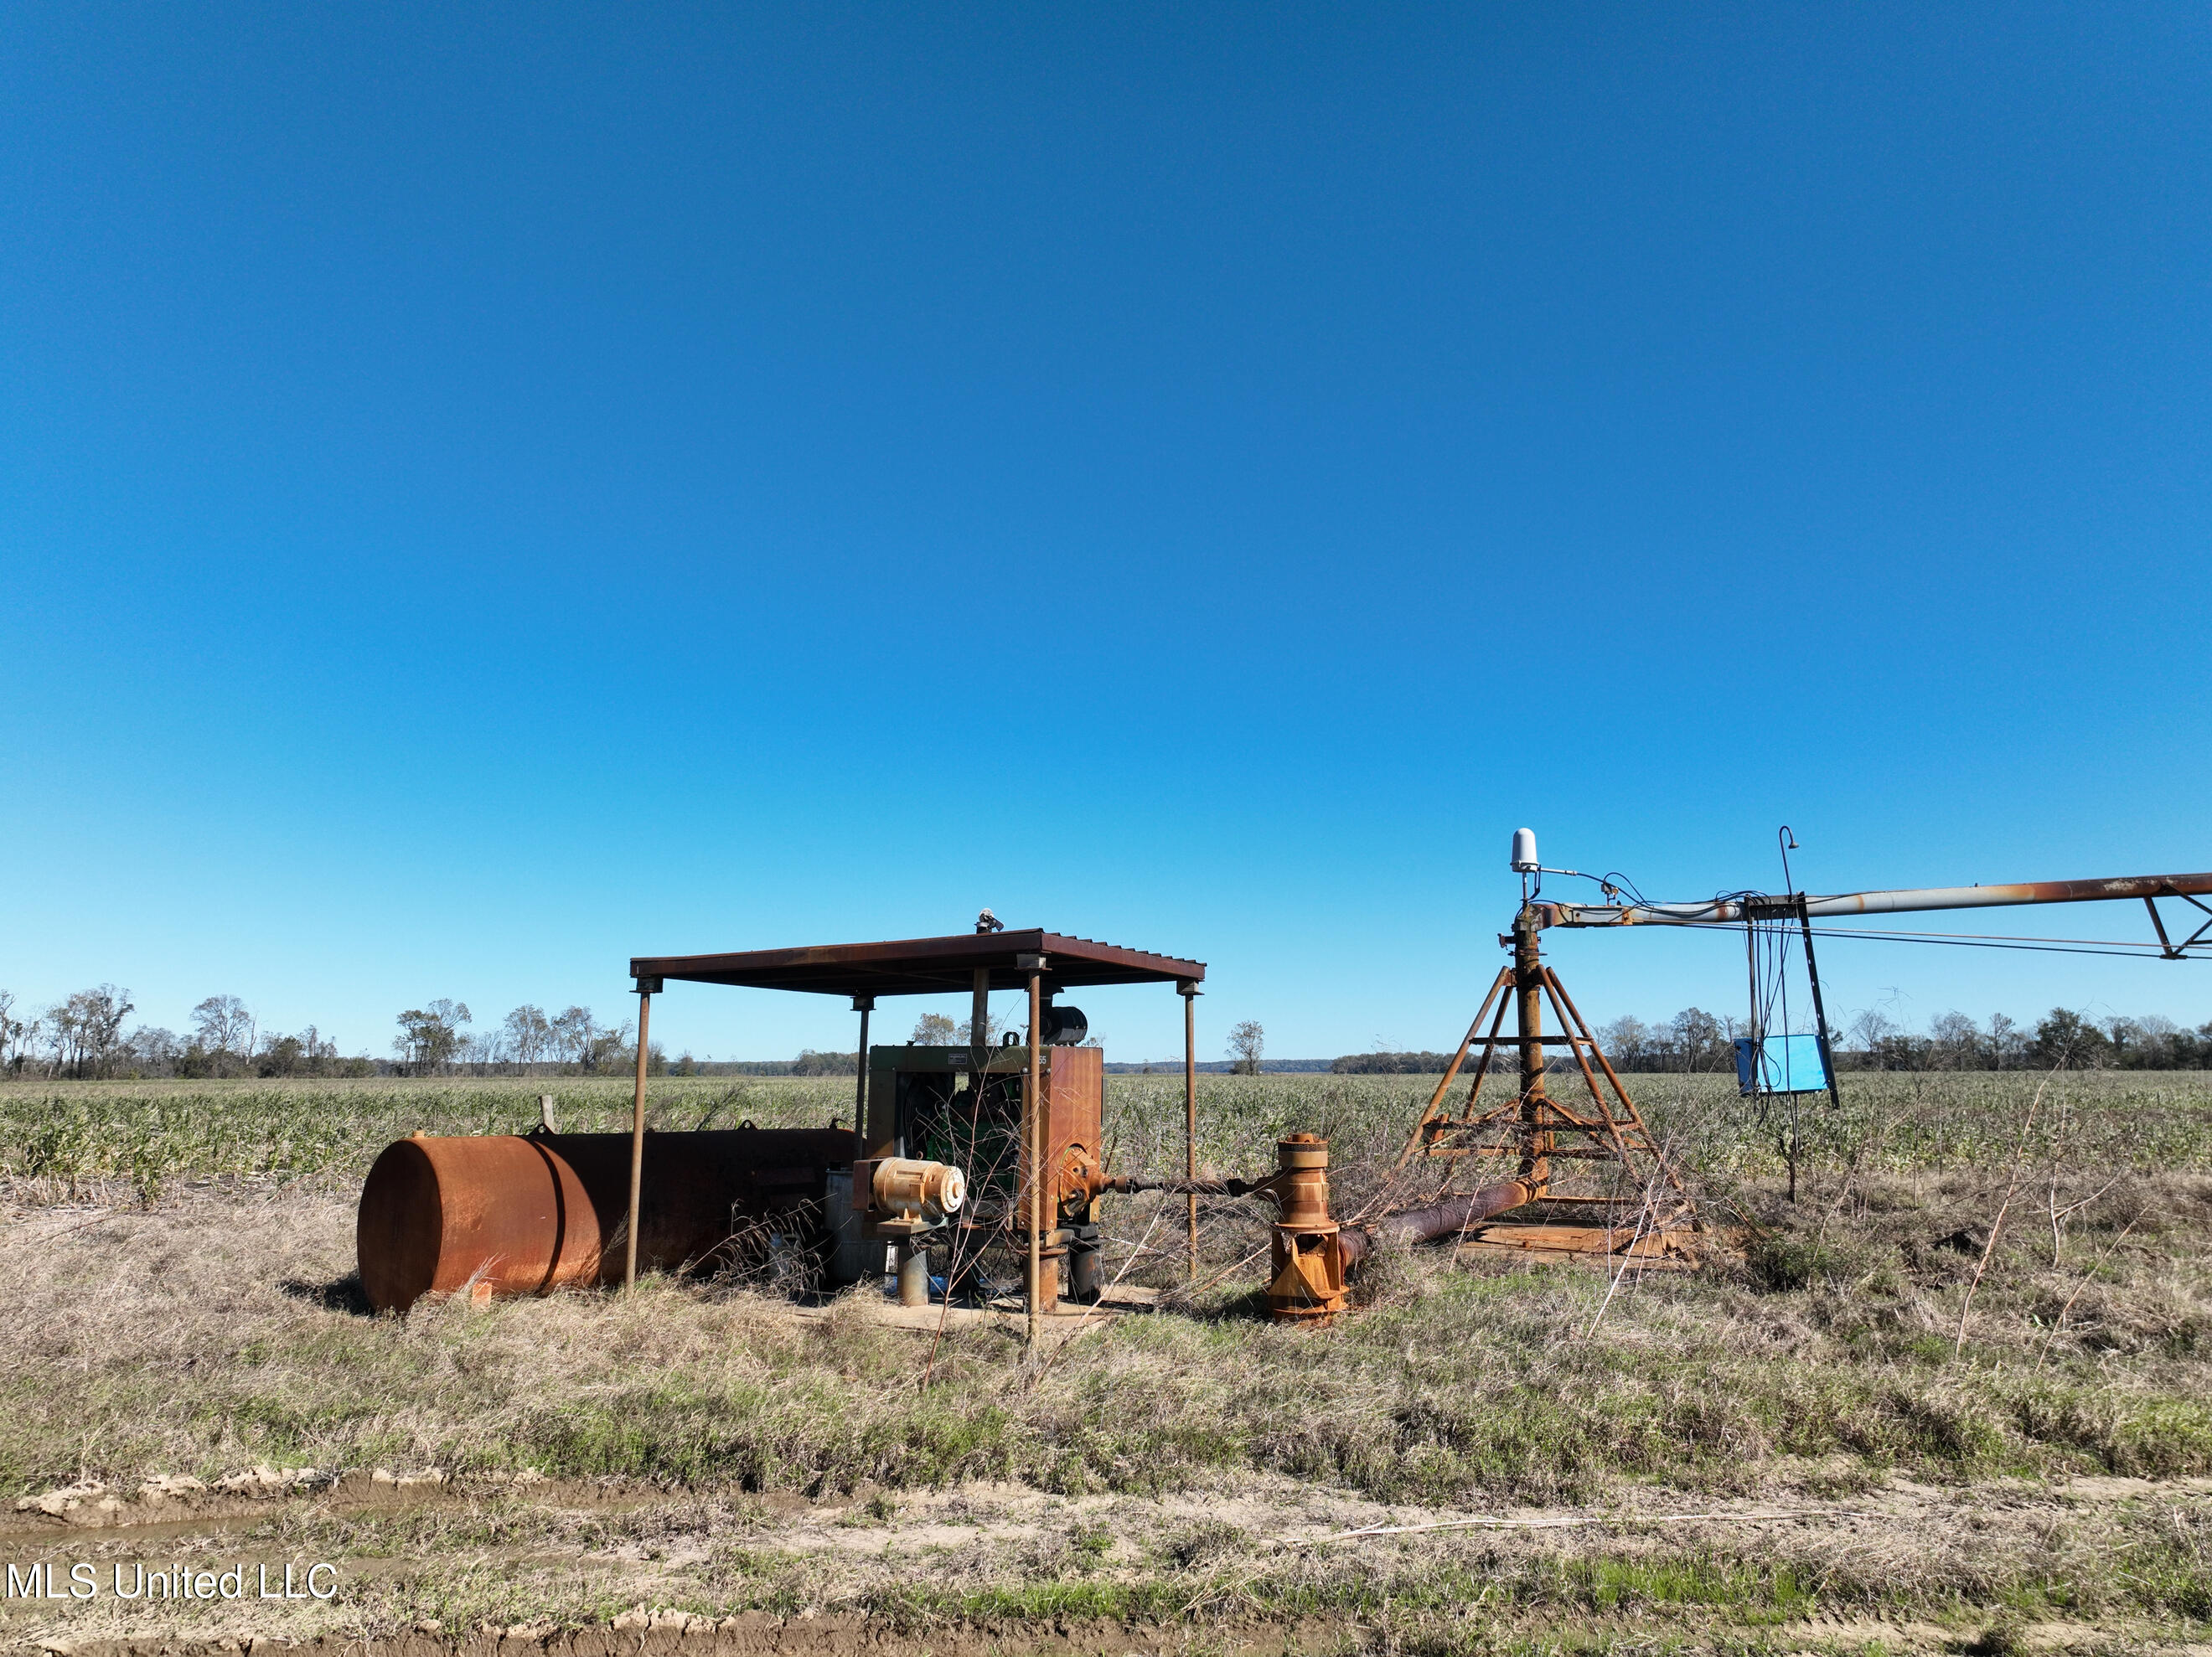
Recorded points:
1996,1225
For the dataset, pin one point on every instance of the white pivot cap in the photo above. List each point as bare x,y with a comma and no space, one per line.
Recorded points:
1524,851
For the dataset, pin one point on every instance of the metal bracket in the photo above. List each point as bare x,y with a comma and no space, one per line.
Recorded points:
2167,947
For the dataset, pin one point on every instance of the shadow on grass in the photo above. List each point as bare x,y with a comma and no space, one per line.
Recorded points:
337,1294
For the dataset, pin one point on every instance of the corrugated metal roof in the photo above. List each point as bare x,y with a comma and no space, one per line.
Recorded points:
924,966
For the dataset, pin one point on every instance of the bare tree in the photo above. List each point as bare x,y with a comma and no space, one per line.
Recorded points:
1246,1042
964,1033
574,1033
1953,1042
11,1034
1871,1029
2008,1043
223,1028
153,1050
430,1036
528,1034
86,1029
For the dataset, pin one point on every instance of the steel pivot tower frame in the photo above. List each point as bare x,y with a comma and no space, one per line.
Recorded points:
1602,1133
1537,1130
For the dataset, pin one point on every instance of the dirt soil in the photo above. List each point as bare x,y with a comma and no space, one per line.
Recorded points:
633,1560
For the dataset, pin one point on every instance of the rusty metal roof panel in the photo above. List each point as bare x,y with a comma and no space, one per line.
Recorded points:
923,966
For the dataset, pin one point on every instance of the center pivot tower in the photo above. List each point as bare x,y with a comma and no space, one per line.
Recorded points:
1618,1192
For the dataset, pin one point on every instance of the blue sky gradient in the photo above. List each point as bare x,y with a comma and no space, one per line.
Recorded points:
485,492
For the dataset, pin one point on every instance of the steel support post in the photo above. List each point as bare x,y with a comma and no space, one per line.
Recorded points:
646,986
979,1029
1035,1115
863,1005
1189,992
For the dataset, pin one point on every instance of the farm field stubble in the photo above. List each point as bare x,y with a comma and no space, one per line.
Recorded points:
178,1303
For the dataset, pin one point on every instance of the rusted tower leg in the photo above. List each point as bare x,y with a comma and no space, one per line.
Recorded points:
1529,999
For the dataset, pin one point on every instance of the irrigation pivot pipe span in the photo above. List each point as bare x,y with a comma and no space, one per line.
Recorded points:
1730,910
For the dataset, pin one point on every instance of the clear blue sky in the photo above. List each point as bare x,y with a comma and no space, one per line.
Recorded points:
488,491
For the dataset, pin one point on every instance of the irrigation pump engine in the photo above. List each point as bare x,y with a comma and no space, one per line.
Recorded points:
936,1104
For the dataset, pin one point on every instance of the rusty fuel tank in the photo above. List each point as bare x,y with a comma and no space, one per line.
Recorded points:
524,1214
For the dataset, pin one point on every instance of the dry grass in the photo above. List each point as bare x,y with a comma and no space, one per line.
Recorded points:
220,1330
204,1329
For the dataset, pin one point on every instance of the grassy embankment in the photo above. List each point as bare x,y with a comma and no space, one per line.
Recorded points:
152,1325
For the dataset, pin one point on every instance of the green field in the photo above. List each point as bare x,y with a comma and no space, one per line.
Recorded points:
1892,1122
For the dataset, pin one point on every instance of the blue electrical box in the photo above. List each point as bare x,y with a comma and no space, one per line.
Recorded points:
1784,1064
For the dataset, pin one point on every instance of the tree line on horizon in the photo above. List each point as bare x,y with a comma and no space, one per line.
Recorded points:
1694,1041
83,1037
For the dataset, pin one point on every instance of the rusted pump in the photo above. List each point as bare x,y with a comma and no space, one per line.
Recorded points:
1305,1284
1311,1255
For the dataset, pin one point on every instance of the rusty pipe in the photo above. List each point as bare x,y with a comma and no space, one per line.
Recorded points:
1128,1184
529,1214
1730,910
1421,1225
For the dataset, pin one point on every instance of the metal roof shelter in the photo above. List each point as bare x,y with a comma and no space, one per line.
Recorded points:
989,958
925,966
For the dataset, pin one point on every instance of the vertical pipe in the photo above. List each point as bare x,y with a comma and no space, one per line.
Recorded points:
1529,999
979,1027
1758,1034
637,1138
864,1005
1034,1107
1188,991
912,1271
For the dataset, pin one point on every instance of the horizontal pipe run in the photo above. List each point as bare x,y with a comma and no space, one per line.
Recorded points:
1421,1225
1128,1184
1729,910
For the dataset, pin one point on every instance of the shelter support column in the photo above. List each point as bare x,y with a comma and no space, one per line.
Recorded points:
862,1004
1189,992
647,989
1035,1117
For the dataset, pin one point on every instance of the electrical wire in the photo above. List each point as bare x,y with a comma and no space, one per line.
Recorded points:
1985,940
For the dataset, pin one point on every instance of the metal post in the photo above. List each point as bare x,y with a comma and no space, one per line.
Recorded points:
863,1005
1819,1013
646,987
1528,997
1033,1109
1189,992
979,1029
1751,977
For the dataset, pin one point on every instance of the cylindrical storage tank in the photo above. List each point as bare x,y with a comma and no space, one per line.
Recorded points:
527,1214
